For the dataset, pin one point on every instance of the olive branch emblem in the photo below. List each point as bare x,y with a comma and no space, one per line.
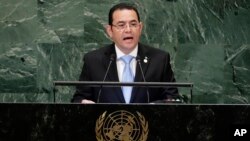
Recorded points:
143,123
98,126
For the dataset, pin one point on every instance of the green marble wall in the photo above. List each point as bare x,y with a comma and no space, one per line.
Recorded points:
45,40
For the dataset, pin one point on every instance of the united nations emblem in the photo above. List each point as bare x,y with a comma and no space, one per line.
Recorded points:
121,126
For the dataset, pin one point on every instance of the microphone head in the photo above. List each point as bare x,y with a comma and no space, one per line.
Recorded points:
112,57
138,58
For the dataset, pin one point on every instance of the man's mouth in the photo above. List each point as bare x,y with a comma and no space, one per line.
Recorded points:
128,38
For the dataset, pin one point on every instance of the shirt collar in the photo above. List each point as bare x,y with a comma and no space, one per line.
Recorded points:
119,53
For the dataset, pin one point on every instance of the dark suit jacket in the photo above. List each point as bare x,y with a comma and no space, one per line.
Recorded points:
157,69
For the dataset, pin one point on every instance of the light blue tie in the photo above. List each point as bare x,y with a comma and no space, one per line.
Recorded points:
127,76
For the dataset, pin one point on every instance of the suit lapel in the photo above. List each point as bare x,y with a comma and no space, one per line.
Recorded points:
145,60
112,74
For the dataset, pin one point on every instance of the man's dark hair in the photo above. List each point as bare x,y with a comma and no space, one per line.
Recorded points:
122,6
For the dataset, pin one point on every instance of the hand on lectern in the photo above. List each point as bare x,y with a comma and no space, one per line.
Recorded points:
85,101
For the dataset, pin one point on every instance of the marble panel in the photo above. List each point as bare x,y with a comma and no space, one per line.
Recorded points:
45,40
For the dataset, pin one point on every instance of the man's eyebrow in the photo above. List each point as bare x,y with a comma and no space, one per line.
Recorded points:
122,22
133,21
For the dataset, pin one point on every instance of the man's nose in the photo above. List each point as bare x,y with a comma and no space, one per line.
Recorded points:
127,28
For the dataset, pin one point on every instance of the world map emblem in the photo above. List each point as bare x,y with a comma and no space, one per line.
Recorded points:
121,126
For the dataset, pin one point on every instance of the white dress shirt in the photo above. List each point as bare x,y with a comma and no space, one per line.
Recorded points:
120,64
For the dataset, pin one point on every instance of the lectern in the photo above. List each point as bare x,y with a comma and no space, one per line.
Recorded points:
119,84
120,122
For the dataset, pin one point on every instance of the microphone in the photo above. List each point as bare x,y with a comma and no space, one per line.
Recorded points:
143,76
112,58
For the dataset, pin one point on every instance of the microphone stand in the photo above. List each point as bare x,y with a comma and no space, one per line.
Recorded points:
112,58
143,76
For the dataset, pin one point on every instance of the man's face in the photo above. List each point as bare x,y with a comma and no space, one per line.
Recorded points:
125,30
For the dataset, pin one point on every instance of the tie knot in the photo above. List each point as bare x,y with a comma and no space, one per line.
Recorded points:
127,59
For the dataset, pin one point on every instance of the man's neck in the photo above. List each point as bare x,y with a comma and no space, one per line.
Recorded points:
120,53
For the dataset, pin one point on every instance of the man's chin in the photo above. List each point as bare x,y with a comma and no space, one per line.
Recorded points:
129,45
130,48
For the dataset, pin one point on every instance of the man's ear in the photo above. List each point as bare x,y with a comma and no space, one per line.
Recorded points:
141,27
109,31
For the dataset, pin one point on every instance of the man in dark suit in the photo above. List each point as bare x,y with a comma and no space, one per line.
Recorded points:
125,30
